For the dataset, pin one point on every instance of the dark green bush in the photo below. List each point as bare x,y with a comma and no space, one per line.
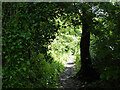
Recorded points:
105,50
26,34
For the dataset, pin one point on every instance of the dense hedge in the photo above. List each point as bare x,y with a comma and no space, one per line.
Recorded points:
27,28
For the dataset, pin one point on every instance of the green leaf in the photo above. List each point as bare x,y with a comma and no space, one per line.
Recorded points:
15,56
110,32
24,68
21,59
28,63
27,77
23,35
19,69
108,77
21,46
118,40
27,38
12,47
102,76
10,77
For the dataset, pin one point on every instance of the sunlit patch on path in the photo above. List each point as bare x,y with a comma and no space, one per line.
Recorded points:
65,80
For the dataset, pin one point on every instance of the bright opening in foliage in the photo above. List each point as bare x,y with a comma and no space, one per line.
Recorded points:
60,45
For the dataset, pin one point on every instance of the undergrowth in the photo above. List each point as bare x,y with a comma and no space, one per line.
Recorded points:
66,43
39,73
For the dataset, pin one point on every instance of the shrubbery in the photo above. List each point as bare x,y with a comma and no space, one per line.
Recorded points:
105,50
25,60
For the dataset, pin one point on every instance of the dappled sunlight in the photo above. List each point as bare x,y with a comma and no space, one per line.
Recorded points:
65,78
64,45
60,45
65,48
69,65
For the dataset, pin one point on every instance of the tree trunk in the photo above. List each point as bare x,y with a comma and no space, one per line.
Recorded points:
87,73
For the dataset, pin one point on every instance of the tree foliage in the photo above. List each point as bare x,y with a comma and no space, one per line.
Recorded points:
28,29
105,45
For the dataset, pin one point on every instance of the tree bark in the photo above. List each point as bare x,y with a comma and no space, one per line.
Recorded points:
87,73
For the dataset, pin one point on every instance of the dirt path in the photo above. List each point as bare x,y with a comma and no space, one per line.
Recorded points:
65,79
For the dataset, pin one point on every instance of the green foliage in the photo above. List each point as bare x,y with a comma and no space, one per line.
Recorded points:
65,44
78,62
37,73
25,39
29,32
105,49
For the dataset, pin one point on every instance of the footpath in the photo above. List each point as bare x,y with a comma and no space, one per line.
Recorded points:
65,79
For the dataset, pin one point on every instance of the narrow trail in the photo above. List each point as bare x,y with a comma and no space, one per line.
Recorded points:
65,79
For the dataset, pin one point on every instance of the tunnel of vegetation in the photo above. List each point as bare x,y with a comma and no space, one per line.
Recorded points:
31,60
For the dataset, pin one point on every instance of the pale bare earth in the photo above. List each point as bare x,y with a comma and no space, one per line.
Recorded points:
65,79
